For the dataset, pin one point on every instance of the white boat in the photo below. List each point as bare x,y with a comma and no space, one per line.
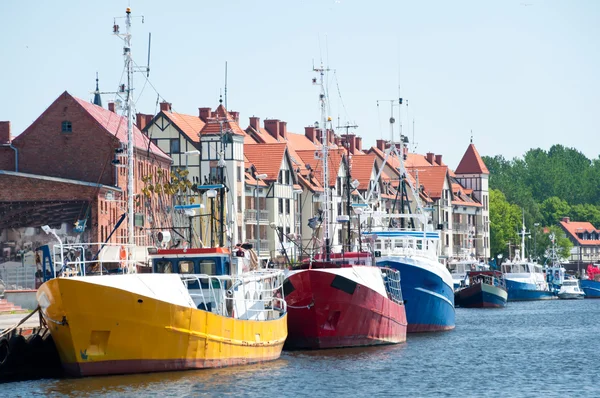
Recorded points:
570,290
460,267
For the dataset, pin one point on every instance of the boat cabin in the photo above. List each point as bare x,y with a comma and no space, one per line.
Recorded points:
521,268
492,278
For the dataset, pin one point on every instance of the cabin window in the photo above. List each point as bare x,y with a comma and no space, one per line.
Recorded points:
208,267
66,127
164,267
186,267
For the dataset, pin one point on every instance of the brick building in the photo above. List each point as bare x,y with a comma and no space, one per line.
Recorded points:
77,150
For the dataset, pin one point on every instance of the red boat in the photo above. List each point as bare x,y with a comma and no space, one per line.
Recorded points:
339,304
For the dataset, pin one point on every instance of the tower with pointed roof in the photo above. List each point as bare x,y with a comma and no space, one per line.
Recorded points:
472,173
97,97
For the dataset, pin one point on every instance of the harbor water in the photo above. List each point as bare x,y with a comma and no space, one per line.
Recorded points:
528,349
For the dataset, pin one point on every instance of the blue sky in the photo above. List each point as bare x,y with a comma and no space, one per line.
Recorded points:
519,73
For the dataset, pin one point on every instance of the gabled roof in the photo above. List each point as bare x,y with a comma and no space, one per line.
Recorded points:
335,161
117,125
266,158
188,124
361,169
432,178
471,163
212,125
575,227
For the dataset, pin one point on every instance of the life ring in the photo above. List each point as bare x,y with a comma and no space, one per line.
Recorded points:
123,257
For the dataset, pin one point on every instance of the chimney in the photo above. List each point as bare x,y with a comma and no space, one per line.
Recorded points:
272,126
358,143
205,113
319,136
165,106
283,130
255,123
235,116
381,145
438,159
309,132
566,219
330,137
111,107
430,157
142,120
351,143
4,132
338,141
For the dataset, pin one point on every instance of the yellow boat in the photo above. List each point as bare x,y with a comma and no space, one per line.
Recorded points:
173,319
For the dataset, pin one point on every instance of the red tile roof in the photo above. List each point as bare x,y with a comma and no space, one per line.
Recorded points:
188,124
299,142
575,227
266,158
212,125
335,161
361,169
432,178
261,136
471,163
462,196
117,125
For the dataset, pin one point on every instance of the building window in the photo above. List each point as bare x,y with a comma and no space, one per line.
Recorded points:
239,173
287,206
67,127
174,145
280,202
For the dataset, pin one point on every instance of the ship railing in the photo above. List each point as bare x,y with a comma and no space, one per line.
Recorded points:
255,295
80,259
489,280
391,278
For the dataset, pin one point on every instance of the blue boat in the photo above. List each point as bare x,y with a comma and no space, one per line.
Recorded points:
525,280
486,289
590,282
590,287
427,285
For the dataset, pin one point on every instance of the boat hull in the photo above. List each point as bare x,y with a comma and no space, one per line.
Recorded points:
428,298
519,291
350,315
590,288
570,296
100,330
481,295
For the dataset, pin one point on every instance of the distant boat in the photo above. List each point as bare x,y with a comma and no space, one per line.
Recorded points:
570,290
525,280
486,289
591,285
459,268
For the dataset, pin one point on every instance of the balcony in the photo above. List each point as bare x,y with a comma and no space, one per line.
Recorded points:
250,216
264,245
264,216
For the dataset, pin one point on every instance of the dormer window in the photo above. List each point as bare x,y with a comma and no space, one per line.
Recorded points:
67,127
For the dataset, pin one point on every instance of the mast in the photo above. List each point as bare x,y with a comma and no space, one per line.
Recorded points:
325,160
128,102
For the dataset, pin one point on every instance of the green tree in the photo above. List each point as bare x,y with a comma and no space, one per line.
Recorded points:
553,209
505,220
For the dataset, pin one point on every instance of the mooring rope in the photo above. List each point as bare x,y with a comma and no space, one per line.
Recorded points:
10,329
